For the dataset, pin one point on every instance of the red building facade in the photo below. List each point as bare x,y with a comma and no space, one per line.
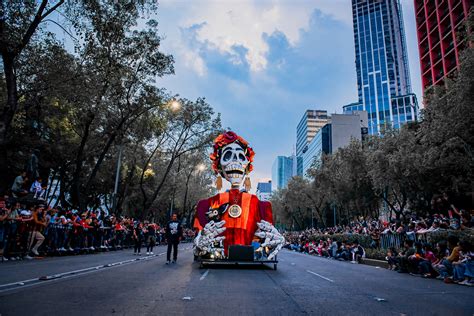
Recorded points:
441,36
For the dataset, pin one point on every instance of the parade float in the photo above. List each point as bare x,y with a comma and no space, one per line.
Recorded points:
235,227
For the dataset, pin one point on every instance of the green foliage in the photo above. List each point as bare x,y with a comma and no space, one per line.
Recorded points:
378,254
81,108
363,240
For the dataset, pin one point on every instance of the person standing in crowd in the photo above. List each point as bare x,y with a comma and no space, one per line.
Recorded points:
150,238
10,232
174,233
137,238
332,247
4,213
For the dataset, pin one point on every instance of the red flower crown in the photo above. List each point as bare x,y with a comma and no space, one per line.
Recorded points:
225,139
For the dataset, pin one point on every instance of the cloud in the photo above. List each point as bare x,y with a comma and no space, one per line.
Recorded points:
262,81
225,25
265,106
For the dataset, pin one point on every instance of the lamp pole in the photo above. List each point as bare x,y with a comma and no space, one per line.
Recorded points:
117,177
174,106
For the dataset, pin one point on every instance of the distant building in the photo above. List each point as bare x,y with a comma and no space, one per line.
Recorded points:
441,36
346,127
381,63
317,147
307,128
334,135
264,191
282,172
349,108
297,166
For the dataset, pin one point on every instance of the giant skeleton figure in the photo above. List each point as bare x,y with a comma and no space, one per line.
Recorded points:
234,217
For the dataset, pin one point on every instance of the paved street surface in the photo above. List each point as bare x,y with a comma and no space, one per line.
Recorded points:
117,284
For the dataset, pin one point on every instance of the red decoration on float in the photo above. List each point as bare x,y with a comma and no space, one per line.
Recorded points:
225,139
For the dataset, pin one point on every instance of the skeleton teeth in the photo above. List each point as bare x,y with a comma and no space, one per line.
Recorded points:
233,167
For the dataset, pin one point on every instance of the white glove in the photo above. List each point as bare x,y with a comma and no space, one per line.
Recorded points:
273,239
208,239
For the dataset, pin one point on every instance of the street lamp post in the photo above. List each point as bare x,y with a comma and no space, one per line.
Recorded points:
117,178
174,105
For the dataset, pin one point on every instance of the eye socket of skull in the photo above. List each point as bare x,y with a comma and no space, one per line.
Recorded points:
227,156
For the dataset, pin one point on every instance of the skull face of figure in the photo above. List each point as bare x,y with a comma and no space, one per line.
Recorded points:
234,164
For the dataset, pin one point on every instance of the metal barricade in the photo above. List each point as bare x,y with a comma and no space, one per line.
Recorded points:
391,240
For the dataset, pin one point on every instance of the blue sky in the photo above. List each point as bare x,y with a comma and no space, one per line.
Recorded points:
261,64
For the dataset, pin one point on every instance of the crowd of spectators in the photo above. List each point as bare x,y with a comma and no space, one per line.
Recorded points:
410,225
31,229
450,260
329,248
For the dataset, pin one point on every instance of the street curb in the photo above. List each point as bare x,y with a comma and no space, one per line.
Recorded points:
375,263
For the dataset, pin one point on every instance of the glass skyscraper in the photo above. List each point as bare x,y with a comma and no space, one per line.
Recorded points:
382,64
282,171
319,145
308,127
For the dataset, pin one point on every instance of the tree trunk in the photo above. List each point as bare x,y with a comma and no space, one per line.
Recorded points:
99,161
76,179
11,106
160,185
6,117
185,199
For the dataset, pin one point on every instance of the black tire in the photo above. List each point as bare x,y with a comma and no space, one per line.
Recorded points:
274,266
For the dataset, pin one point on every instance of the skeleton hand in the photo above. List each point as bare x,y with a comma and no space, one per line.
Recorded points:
273,239
208,240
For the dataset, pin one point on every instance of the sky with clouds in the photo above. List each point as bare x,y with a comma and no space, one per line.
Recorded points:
262,63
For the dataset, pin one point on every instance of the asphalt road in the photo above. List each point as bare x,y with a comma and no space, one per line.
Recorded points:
117,284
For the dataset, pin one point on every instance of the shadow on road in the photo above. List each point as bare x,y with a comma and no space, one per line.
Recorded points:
234,266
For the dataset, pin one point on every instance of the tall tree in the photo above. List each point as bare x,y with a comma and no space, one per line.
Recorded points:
191,128
19,21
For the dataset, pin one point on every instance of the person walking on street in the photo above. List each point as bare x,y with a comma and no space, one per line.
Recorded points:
40,224
174,233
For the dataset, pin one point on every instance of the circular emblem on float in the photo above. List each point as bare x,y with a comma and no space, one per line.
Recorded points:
235,211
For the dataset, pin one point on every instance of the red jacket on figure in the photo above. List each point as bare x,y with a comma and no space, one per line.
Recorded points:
240,230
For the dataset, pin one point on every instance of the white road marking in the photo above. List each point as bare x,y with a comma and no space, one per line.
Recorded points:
18,282
74,273
319,275
204,275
